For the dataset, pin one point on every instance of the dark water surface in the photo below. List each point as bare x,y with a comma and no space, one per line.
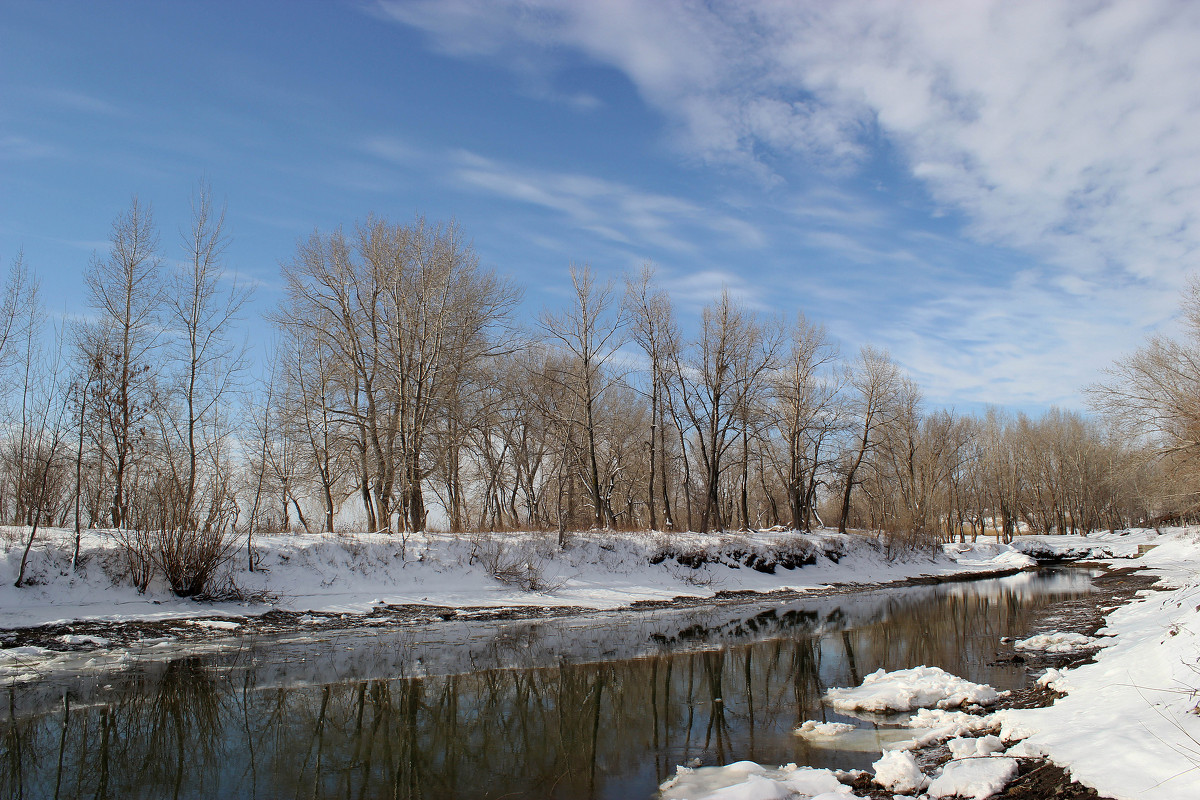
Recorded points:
602,706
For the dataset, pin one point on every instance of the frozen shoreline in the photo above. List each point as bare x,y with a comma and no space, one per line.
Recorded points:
359,574
1127,724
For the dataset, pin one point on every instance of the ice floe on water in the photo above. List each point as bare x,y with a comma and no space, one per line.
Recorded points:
811,729
978,768
908,689
746,780
1056,642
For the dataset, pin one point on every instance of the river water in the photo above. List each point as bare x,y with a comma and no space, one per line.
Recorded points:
598,706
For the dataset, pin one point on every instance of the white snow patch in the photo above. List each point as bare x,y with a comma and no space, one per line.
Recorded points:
215,624
76,638
970,747
897,771
906,689
976,778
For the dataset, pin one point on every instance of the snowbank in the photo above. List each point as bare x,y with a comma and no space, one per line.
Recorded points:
1128,726
1127,543
355,573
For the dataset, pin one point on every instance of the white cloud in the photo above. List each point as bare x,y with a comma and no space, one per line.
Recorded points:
612,210
1060,128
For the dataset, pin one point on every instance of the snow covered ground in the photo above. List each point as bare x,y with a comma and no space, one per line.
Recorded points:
354,573
1130,723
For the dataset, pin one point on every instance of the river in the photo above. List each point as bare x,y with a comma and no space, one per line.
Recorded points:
603,705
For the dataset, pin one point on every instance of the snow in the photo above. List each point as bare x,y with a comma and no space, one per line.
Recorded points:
907,689
746,780
1121,544
79,639
970,747
1128,726
973,777
988,556
356,573
897,771
1056,642
215,624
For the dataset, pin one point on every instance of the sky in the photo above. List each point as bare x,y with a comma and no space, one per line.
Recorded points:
1005,195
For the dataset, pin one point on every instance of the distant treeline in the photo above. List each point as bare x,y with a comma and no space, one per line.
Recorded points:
405,389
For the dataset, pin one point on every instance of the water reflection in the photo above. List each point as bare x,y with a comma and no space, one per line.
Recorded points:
597,708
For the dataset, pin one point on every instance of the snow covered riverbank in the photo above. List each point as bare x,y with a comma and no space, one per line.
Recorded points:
356,573
1128,727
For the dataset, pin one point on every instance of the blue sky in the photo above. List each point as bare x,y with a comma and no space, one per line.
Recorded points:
1005,195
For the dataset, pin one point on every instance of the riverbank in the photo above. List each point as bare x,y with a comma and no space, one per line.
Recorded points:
384,577
919,620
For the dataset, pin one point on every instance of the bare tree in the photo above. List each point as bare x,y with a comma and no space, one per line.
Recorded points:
126,292
875,384
726,367
1153,395
203,309
652,327
591,331
804,392
402,313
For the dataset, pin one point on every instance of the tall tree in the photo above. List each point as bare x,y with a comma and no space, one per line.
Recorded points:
875,384
805,414
652,327
726,366
590,331
202,307
125,290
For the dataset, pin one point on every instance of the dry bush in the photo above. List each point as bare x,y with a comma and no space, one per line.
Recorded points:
523,568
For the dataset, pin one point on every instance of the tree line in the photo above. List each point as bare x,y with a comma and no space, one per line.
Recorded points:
404,390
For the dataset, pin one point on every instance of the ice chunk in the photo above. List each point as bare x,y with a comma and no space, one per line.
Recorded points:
812,729
976,778
76,638
971,747
1056,642
746,780
897,771
907,689
215,624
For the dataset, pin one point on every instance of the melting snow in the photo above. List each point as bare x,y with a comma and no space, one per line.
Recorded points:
973,777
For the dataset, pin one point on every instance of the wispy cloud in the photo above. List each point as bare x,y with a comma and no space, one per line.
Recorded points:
612,210
20,148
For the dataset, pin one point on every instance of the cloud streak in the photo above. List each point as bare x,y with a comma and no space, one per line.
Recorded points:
611,210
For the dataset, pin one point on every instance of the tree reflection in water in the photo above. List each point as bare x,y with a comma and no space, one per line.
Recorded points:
226,727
